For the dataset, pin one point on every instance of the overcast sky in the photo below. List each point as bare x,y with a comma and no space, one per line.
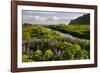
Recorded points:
48,17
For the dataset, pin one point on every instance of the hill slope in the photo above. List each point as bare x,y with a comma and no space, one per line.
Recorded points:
85,19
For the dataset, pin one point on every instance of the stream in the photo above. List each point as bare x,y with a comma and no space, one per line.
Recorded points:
66,35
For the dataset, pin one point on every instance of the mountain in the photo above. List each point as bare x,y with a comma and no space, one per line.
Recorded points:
85,19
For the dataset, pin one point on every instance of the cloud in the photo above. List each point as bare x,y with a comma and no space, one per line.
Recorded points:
55,18
27,17
48,17
35,18
60,18
38,12
45,12
39,18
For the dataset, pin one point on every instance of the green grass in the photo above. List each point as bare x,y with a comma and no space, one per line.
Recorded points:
38,31
43,43
81,31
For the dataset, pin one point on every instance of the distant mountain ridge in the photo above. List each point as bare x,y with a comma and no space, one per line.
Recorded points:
85,19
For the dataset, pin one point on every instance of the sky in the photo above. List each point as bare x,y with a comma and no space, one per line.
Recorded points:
48,17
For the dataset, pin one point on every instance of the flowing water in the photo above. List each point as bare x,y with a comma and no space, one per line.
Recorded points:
66,35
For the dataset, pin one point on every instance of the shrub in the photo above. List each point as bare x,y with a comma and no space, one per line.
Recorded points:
24,58
58,57
82,54
48,53
38,53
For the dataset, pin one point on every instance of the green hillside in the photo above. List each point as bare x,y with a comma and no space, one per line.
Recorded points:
85,19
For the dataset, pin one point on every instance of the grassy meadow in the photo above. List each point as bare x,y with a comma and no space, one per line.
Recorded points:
51,43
